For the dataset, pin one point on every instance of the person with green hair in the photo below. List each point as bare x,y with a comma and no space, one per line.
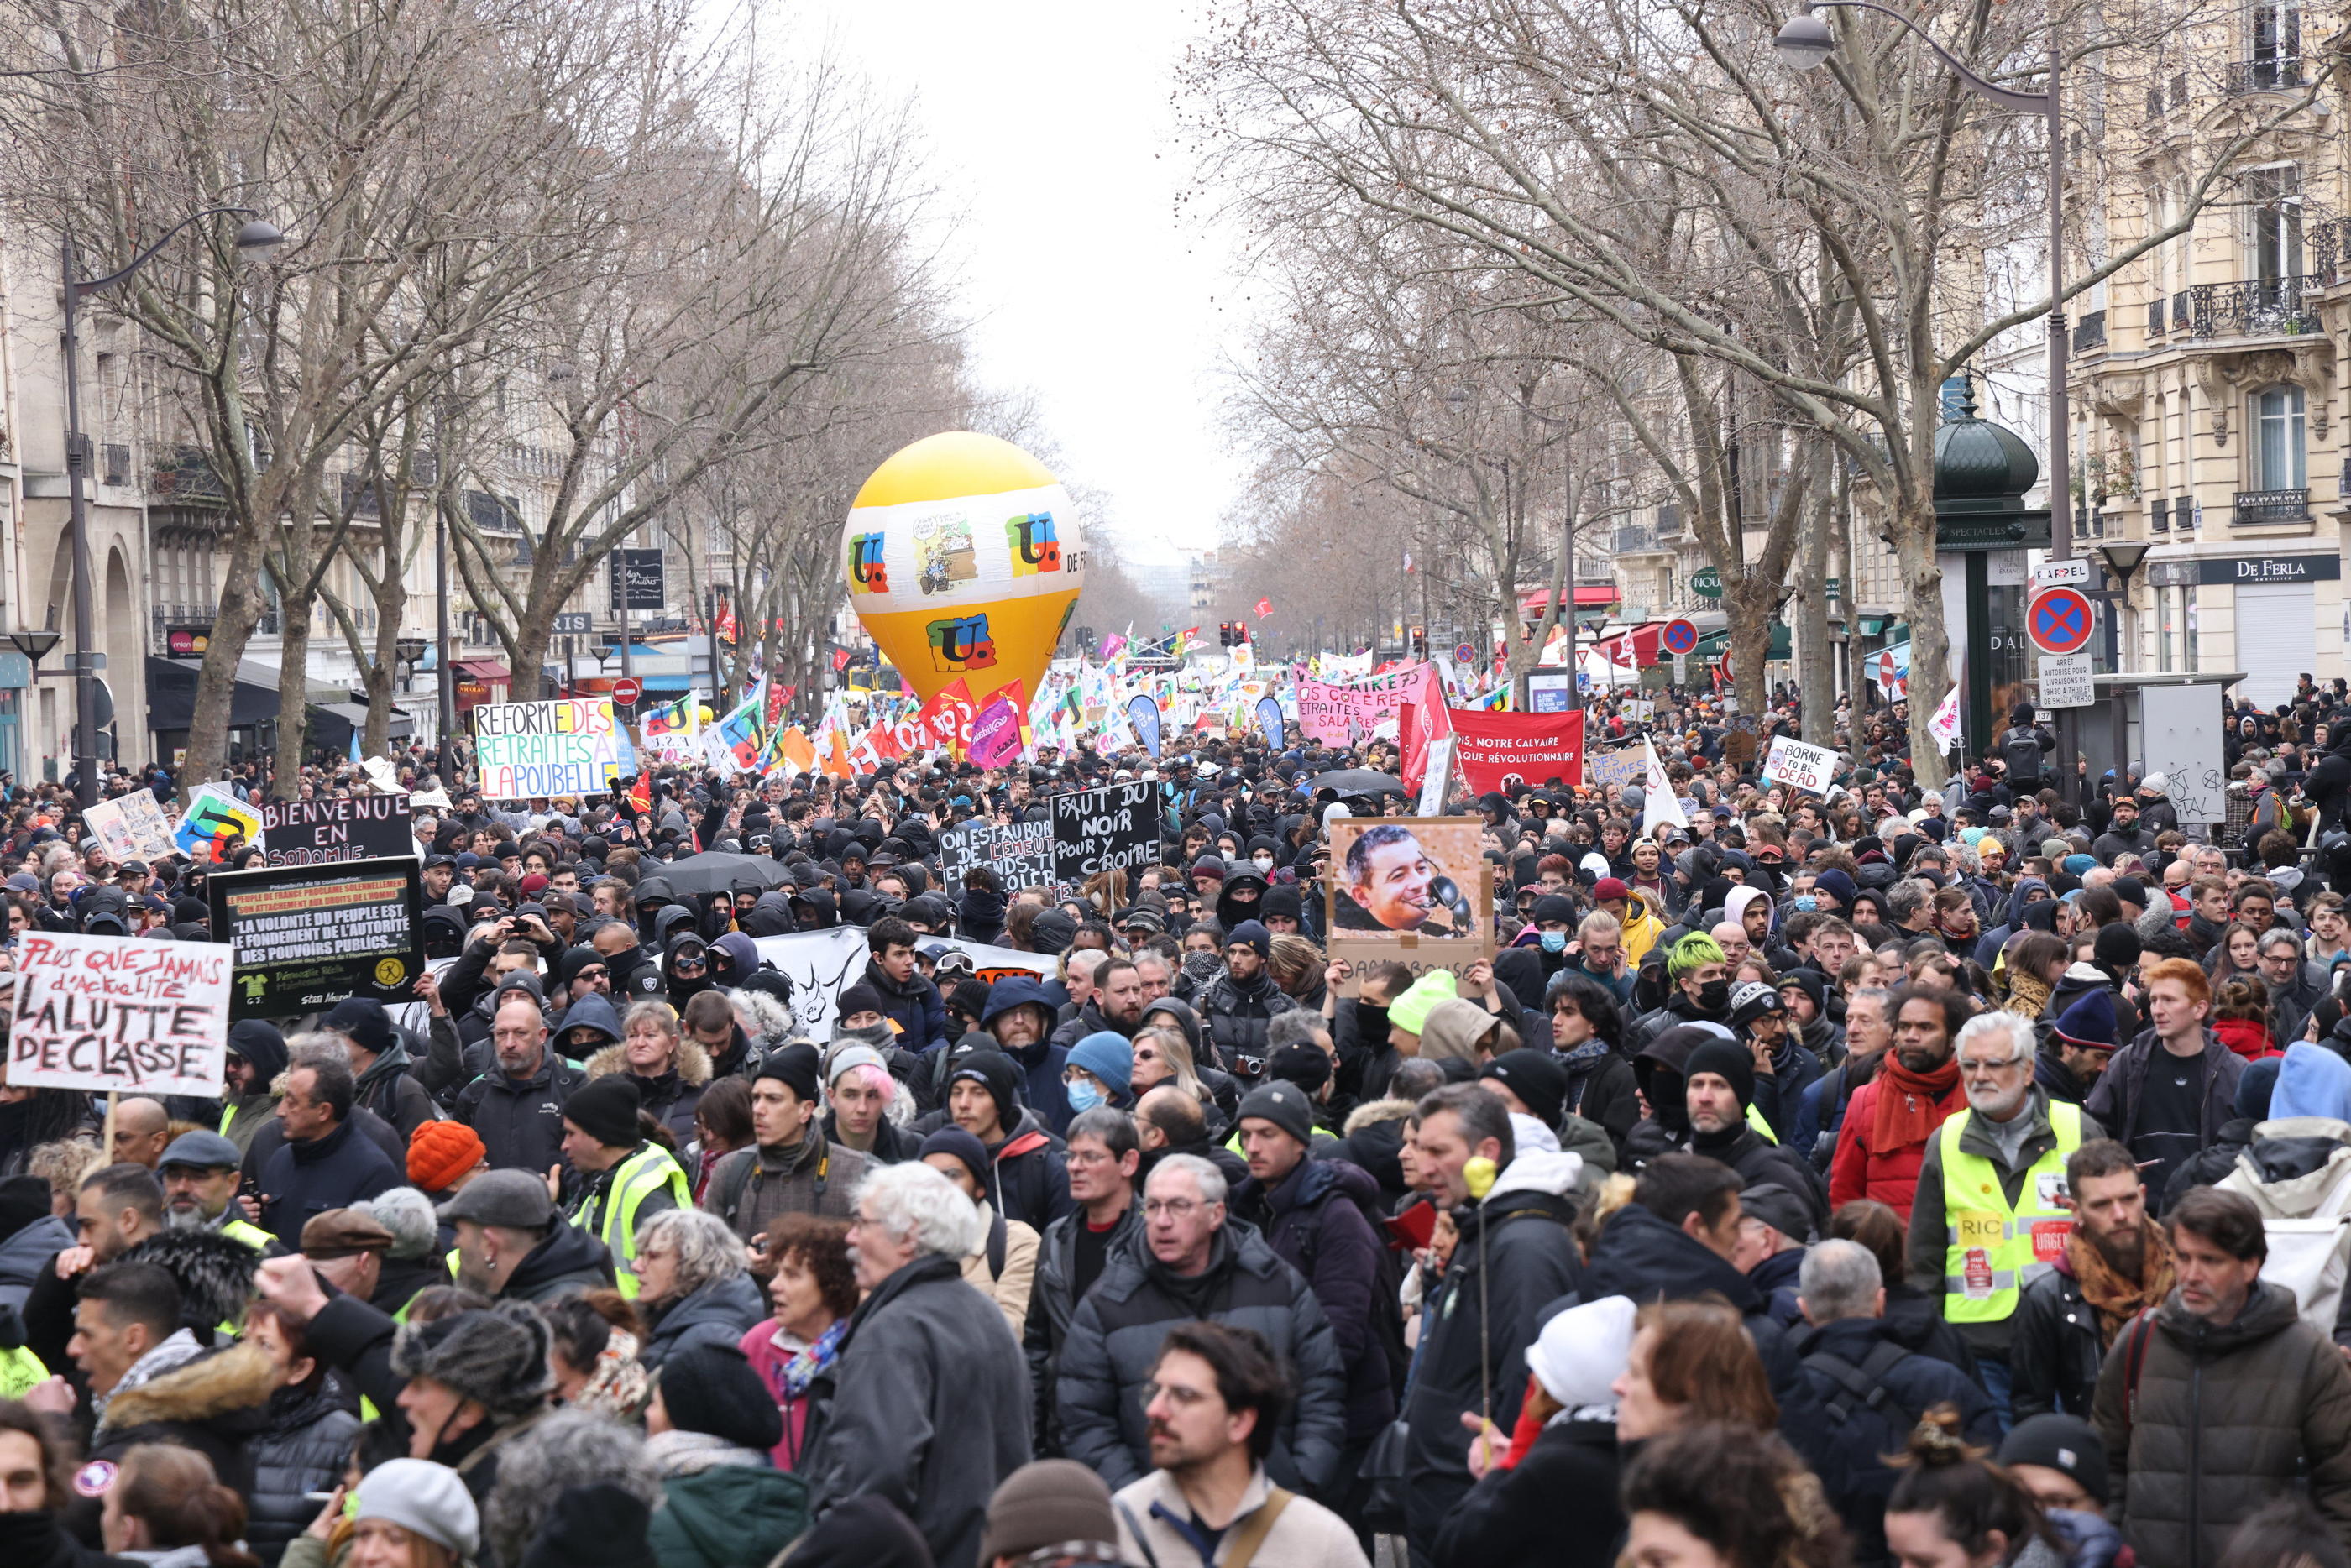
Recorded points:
1700,977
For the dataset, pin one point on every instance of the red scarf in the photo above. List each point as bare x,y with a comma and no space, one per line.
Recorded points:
1910,1104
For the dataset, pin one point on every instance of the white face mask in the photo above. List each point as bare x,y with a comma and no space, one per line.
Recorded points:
1262,862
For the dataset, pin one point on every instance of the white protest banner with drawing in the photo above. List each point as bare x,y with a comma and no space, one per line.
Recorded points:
119,1013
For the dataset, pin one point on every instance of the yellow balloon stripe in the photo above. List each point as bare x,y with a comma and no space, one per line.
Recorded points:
985,646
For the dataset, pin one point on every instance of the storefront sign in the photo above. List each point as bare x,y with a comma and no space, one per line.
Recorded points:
2248,569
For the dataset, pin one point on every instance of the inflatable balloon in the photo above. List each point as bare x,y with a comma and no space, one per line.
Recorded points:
964,561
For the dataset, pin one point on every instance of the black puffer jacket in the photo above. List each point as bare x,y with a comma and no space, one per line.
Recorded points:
1235,1014
304,1451
521,1123
1314,1221
2053,1353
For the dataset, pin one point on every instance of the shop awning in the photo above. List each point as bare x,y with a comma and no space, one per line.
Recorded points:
1871,625
1595,595
483,670
172,694
336,723
1637,647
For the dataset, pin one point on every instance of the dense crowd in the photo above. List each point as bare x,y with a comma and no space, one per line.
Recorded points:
1951,1175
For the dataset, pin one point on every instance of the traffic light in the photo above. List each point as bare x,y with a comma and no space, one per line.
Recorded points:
1420,641
1224,634
1240,634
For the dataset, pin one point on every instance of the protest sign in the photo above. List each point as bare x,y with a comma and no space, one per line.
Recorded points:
1621,768
1800,767
117,1013
213,819
1510,752
539,750
317,831
1437,775
1020,852
1104,829
1410,889
131,827
307,937
1331,713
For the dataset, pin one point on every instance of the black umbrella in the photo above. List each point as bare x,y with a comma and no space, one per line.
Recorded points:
714,871
1358,781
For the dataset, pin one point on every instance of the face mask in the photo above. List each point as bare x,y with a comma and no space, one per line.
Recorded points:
1807,901
1262,862
1554,942
1083,1096
1713,996
1371,1023
1201,966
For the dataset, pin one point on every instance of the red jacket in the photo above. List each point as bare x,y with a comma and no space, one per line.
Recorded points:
1890,1176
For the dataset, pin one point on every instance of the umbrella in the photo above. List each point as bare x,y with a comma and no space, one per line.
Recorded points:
715,871
1358,781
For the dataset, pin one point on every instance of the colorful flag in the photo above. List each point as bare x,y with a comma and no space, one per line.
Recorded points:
1264,609
679,717
744,729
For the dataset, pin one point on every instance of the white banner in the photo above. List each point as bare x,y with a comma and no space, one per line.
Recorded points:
822,964
119,1013
1799,766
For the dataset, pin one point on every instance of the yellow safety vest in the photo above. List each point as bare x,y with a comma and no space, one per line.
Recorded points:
227,1116
1763,1128
20,1371
640,1176
1992,1251
252,1235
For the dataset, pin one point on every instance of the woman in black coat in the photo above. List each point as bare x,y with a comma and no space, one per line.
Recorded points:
313,1422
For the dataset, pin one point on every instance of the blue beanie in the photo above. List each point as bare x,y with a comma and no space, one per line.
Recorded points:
1252,933
1836,885
2077,863
2090,1021
2259,1083
1108,1056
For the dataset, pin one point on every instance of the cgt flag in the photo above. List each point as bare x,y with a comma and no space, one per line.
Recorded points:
1264,609
1507,752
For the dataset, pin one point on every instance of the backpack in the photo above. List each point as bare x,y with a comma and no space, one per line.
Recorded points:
734,1178
1387,1285
1864,1386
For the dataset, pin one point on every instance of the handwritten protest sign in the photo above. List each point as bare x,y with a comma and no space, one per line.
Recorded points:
131,827
1328,712
1800,767
107,1013
1020,852
1622,768
317,831
307,937
539,750
1104,829
213,818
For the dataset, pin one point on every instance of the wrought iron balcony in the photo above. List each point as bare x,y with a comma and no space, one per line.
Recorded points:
189,479
2090,332
2258,307
2330,256
2278,72
2158,515
2179,311
2255,508
2158,319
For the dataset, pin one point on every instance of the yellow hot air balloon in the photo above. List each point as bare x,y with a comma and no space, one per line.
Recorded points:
964,561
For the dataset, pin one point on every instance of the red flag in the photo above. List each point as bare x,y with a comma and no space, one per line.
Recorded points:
1421,718
727,629
840,660
1531,749
1264,609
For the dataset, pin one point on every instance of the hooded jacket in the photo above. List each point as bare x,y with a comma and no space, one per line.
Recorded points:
593,1012
390,1088
520,1122
1113,1342
568,1262
915,1007
258,1042
1515,1257
671,1098
217,1404
25,1256
2224,1417
1040,1063
1372,1141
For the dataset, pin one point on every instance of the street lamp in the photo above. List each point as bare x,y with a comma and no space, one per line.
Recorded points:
253,238
1805,41
34,645
2122,560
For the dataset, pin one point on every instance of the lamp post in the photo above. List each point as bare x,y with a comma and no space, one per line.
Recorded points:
1805,42
253,238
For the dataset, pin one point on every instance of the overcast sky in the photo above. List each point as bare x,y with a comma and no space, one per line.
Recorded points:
1051,123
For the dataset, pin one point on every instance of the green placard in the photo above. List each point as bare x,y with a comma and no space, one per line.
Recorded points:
1707,583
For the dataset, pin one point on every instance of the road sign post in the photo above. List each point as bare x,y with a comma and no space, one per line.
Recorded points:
2059,619
1679,637
627,689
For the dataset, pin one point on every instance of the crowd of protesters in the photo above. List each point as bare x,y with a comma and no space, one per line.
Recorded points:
1950,1174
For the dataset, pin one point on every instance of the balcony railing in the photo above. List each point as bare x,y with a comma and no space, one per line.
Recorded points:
2258,307
2090,332
189,479
2255,508
1633,538
2179,314
2329,244
2279,71
2158,319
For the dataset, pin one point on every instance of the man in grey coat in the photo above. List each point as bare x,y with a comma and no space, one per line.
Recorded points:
1193,1265
926,1403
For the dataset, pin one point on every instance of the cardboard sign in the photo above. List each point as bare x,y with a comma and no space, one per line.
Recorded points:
1332,713
307,937
1415,890
529,751
1622,769
1020,852
1511,752
1800,767
131,827
214,818
119,1013
1104,829
319,832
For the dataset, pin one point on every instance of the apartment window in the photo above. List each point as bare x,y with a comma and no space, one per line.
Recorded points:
2164,629
2276,196
2273,42
2279,458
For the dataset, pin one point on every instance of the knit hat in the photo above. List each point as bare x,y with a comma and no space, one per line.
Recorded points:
1253,934
796,1066
606,1109
2118,948
1285,1105
952,1139
1556,908
495,1356
1778,1208
712,1388
2090,1020
423,1499
441,1152
2257,1084
1581,1351
1308,1066
1050,1502
364,1023
24,1200
998,1074
1734,1064
1751,1001
1536,1077
1108,1056
1411,1010
2063,1443
1609,887
859,998
1836,884
969,997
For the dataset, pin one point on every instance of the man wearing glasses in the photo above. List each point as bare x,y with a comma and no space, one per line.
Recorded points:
1992,1213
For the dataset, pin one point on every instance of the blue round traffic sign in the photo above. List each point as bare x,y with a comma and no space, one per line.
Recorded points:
2058,620
1679,636
1465,654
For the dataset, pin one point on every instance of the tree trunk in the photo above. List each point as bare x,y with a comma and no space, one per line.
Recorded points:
1809,612
1747,602
1931,675
240,605
293,696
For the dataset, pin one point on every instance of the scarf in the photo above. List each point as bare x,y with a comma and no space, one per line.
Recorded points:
1908,1112
2116,1299
2027,994
620,1386
812,1358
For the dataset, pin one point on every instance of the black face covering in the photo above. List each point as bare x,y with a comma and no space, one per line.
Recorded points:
1371,1025
1714,998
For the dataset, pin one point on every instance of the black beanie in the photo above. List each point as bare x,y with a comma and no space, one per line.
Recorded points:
797,1066
2118,948
606,1109
999,1075
712,1388
1536,1077
24,1199
1733,1062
